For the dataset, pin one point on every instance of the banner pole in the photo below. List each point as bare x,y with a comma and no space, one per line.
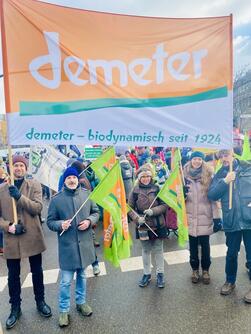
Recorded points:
7,103
231,184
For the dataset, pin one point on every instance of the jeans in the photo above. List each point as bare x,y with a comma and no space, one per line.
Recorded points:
65,289
194,242
233,242
155,248
1,238
14,279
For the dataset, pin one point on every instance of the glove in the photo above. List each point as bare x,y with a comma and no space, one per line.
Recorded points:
217,225
148,212
19,228
141,221
14,192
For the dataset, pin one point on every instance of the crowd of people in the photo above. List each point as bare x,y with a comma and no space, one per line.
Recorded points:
144,172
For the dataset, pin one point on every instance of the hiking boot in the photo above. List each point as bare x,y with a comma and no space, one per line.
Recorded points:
205,277
63,319
145,280
247,297
195,278
84,309
227,288
160,280
15,314
96,270
44,309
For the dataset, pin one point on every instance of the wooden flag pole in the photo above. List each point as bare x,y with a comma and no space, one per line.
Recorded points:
12,182
7,102
231,184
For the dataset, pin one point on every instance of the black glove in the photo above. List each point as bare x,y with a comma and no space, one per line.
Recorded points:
217,225
20,228
14,192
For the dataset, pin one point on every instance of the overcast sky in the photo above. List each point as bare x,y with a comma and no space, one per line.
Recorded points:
241,10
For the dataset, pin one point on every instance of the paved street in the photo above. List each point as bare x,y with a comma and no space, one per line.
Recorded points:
120,306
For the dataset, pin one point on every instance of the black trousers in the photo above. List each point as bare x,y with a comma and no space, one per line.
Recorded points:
14,283
194,243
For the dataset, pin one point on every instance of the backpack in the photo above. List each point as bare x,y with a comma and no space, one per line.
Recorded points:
127,173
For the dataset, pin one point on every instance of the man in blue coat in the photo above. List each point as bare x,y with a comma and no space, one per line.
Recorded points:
75,244
237,220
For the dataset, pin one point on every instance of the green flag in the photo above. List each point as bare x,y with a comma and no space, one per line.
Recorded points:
172,194
175,158
110,195
104,163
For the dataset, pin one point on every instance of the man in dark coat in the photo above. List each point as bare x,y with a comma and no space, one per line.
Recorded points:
23,240
75,243
236,221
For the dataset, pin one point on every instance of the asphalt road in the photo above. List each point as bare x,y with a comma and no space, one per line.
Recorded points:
120,306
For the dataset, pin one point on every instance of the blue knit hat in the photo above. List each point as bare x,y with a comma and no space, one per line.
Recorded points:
70,171
197,154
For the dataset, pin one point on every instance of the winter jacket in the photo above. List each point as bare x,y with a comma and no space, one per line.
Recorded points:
75,247
200,210
140,199
29,207
127,176
239,217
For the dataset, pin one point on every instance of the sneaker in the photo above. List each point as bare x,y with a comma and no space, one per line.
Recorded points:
63,319
1,251
247,297
84,309
195,278
145,280
227,288
160,280
205,277
96,270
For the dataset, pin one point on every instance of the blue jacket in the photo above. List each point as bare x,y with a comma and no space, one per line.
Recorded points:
239,217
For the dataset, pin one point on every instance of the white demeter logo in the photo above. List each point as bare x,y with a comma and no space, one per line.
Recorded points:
175,64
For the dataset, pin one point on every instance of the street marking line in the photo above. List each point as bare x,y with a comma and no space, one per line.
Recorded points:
218,250
3,282
177,257
131,264
89,270
50,277
126,265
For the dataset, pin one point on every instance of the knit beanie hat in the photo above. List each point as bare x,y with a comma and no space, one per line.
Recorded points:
155,157
20,158
70,171
197,154
144,172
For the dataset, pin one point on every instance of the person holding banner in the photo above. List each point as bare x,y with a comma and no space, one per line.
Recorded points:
202,214
73,223
24,239
148,214
237,216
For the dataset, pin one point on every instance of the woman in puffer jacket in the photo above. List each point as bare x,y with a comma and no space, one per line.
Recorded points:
202,214
147,209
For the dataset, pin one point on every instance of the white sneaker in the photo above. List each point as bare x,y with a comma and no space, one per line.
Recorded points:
96,270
